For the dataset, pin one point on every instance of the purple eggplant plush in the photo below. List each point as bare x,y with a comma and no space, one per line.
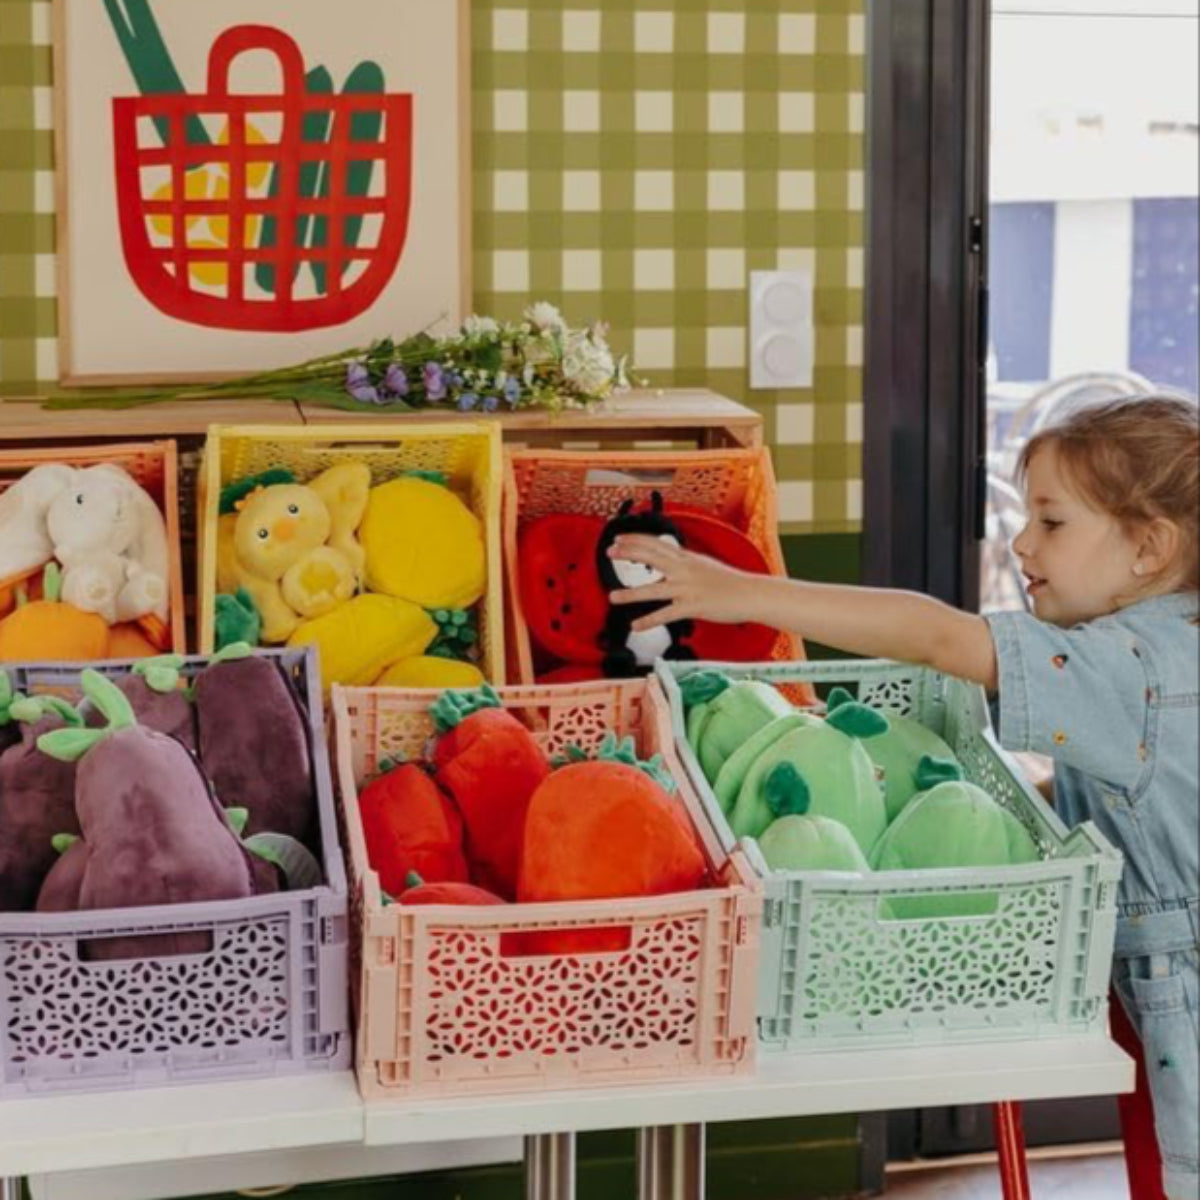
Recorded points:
254,743
152,829
37,796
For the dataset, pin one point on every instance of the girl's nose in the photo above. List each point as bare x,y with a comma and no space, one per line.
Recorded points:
1021,543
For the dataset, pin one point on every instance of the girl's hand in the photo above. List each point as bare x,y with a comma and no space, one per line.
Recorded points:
692,585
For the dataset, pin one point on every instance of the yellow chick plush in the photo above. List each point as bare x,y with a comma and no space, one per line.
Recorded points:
423,544
279,556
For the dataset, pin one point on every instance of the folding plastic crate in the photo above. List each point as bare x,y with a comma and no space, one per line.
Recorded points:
838,968
449,1000
269,997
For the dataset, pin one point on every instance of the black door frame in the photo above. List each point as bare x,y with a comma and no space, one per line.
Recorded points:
924,473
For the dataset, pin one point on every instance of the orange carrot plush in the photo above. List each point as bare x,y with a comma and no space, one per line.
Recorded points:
411,826
490,765
420,892
607,828
51,629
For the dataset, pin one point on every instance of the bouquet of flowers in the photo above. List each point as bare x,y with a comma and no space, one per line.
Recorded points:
488,366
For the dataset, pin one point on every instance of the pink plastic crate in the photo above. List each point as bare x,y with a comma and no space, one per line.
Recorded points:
268,996
448,1003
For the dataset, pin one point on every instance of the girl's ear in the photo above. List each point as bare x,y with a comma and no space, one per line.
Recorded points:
1158,552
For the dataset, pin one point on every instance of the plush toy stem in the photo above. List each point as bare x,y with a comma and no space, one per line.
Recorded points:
619,750
700,687
786,792
412,880
52,583
932,771
70,745
857,720
237,819
232,653
837,697
62,842
162,673
8,695
453,707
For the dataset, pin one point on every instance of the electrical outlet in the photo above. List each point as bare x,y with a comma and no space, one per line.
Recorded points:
781,329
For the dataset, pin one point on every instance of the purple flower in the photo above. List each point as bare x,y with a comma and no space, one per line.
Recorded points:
364,393
395,381
456,380
512,391
435,382
491,403
467,401
358,384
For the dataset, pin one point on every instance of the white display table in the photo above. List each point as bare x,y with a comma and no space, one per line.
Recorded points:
178,1125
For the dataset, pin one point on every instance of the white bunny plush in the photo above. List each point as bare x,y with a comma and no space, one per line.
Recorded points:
25,542
111,540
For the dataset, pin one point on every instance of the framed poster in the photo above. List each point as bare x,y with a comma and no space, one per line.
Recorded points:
244,184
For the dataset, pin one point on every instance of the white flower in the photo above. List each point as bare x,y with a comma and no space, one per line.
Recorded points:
588,365
539,350
545,318
476,326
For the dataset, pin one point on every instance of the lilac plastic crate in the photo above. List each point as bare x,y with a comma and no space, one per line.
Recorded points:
269,997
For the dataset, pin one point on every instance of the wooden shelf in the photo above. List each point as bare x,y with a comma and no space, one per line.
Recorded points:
694,416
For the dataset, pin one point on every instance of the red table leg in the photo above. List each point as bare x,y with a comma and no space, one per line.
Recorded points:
1143,1163
1010,1142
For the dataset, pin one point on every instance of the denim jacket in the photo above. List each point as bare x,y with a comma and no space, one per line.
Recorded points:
1115,703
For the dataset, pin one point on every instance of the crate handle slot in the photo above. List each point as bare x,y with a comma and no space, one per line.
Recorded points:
975,906
87,949
642,477
566,943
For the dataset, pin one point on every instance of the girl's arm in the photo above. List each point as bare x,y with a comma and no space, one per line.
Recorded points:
873,622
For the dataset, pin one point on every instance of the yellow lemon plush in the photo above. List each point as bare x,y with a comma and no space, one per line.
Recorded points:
423,544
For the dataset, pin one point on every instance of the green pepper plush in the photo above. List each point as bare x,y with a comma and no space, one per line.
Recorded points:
951,823
732,774
725,714
898,753
825,763
806,843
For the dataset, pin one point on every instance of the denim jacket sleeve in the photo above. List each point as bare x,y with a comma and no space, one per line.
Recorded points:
1077,695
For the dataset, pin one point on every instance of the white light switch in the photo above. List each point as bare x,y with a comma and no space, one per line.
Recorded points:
781,329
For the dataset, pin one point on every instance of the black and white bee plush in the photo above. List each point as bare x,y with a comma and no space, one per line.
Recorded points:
628,653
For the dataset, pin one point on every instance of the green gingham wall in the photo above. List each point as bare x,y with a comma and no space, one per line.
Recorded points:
632,161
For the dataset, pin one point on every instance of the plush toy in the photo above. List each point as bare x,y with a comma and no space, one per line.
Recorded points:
607,828
52,629
129,640
410,825
565,604
423,544
159,701
345,488
430,672
25,542
365,636
152,831
490,766
798,841
950,823
37,794
417,891
722,715
276,547
628,652
236,620
898,753
111,539
823,768
254,743
732,775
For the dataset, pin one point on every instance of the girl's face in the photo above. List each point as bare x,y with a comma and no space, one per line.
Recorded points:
1078,561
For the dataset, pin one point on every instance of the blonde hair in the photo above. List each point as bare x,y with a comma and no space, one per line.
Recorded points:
1138,459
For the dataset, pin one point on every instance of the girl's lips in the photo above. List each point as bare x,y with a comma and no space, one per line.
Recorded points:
1033,585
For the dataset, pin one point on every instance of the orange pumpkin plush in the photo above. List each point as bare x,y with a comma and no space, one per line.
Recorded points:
411,827
490,766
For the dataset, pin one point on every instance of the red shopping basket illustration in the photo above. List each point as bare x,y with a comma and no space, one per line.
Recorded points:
224,238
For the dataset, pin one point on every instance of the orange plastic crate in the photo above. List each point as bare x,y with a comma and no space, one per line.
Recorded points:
154,465
736,485
447,1002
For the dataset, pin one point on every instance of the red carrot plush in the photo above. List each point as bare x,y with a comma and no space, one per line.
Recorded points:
410,825
490,765
417,891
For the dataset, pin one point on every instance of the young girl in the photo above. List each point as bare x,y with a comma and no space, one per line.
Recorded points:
1104,678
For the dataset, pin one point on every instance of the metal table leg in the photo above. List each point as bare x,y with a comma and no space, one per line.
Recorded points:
550,1167
671,1162
10,1189
1010,1141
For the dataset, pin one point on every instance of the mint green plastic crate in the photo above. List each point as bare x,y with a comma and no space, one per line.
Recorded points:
839,971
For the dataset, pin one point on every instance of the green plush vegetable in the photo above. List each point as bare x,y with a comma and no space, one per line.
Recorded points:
828,764
236,619
738,713
898,753
732,774
810,843
952,824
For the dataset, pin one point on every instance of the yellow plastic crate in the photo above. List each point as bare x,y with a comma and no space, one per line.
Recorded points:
468,454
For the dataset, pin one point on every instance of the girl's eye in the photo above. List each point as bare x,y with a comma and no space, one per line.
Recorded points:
1051,525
